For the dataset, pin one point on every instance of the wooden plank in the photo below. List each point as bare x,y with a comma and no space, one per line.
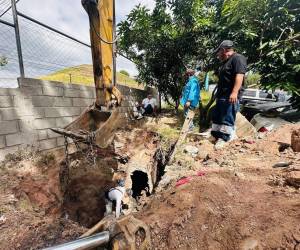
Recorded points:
183,133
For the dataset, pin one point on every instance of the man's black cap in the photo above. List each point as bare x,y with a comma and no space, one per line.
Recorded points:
226,44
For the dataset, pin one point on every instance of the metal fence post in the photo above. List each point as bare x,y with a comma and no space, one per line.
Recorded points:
18,39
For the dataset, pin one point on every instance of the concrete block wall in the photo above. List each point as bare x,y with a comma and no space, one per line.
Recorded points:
28,112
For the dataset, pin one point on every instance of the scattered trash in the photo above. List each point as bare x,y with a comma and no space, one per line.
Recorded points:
282,164
249,141
266,128
186,180
191,150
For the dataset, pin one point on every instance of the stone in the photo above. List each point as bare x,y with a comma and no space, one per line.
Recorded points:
293,179
191,150
295,142
250,244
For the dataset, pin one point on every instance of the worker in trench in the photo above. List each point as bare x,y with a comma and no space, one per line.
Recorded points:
231,79
191,94
114,197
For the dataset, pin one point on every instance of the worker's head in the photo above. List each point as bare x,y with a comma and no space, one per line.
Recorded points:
224,50
149,96
189,72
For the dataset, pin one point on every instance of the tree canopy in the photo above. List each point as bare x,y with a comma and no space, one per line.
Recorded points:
178,34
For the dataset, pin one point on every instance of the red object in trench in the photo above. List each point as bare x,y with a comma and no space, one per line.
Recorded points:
186,180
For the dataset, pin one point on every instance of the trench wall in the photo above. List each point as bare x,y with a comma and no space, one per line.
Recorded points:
27,113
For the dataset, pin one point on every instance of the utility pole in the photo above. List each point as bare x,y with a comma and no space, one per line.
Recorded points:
18,39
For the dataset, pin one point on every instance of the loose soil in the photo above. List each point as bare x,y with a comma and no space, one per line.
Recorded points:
241,202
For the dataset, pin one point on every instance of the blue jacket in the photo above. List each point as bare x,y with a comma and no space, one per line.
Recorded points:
191,92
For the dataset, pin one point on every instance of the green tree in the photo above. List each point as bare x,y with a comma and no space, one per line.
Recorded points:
180,33
164,42
124,72
268,33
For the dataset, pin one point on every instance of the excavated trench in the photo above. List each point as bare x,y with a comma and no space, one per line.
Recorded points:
84,184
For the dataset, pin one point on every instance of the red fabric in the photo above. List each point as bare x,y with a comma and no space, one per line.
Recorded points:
186,180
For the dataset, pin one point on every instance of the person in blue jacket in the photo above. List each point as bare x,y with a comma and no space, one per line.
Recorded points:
191,93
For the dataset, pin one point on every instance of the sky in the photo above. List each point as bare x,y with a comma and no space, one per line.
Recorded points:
70,17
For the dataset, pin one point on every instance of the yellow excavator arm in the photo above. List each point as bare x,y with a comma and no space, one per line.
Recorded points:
103,45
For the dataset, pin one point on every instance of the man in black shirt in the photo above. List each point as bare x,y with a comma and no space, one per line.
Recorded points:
231,79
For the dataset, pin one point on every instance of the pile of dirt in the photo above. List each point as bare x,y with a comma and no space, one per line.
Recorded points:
31,202
242,199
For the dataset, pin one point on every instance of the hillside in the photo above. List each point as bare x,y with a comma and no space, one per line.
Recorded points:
83,74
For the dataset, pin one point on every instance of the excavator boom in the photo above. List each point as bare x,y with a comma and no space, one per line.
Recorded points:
103,44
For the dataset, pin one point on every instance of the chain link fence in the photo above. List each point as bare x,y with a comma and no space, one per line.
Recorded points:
47,54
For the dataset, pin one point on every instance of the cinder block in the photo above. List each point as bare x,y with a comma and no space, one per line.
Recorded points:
22,101
44,123
82,102
62,102
14,139
9,114
88,94
60,141
8,127
31,90
2,142
9,92
72,93
59,112
6,101
21,138
7,150
42,135
47,144
52,134
27,124
42,101
63,121
53,91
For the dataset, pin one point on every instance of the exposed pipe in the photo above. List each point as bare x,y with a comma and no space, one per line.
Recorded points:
84,243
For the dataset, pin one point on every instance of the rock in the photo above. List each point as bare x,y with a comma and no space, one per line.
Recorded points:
239,175
244,128
293,179
296,140
119,144
191,150
250,244
2,220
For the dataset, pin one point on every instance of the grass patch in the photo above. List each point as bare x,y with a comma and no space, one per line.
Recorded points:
83,75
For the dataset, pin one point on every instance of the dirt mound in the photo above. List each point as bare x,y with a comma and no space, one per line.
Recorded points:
224,211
